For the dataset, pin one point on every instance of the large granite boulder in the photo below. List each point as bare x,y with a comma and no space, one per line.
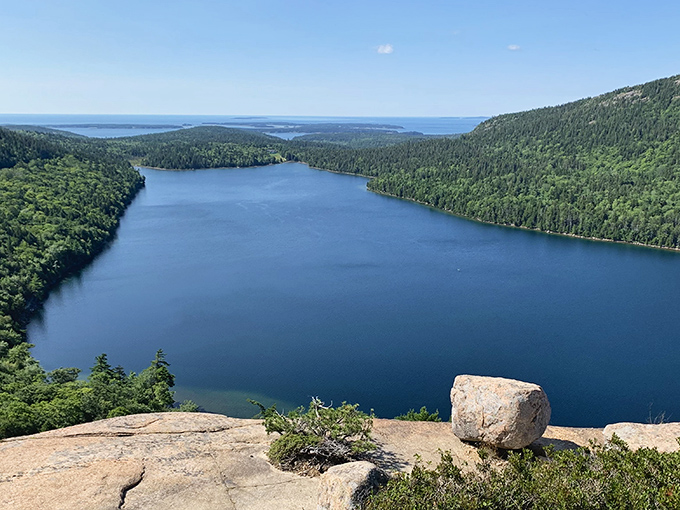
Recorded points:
504,413
346,487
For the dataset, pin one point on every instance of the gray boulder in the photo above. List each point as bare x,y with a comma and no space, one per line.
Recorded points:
504,413
346,486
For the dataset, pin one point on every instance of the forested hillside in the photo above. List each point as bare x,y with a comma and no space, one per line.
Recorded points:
57,210
182,149
604,167
199,147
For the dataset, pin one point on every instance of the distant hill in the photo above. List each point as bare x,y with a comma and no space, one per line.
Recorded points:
41,129
198,147
606,167
363,139
202,134
315,127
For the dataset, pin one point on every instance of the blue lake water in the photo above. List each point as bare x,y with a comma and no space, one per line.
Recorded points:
281,283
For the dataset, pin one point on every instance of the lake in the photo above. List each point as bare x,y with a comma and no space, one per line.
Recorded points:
281,283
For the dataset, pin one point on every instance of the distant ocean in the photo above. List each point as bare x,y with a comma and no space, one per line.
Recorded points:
131,125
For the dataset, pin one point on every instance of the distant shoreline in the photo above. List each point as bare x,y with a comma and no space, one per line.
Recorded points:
478,220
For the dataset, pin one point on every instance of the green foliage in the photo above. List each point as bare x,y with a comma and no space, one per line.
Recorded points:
199,147
57,211
315,439
599,477
421,415
188,406
291,450
60,202
32,400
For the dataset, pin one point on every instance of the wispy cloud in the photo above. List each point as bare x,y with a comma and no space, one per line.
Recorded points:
385,49
514,47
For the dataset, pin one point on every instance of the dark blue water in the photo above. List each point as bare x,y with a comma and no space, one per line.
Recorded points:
425,125
281,283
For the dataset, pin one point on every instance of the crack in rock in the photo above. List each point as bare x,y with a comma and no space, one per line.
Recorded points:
122,433
128,487
225,483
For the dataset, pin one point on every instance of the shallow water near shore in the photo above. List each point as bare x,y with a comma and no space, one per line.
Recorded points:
282,282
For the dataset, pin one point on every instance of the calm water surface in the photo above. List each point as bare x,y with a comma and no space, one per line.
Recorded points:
281,283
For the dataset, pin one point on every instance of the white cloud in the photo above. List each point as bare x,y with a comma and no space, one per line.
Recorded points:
385,49
514,47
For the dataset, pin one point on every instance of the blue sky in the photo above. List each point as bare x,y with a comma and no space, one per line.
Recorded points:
324,57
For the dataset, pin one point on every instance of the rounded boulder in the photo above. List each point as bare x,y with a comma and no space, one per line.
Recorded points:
504,413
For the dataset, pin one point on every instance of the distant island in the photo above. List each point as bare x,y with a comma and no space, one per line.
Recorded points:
118,126
335,127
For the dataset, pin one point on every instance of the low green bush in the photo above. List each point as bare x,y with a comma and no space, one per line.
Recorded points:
421,415
606,476
314,439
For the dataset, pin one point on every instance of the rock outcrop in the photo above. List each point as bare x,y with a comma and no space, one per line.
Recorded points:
159,461
661,436
347,486
199,461
194,461
504,413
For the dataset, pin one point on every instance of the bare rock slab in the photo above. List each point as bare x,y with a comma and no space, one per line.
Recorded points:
661,436
401,443
567,438
501,412
165,461
346,486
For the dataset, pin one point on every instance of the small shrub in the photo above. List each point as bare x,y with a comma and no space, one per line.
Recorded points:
421,415
315,439
599,477
188,406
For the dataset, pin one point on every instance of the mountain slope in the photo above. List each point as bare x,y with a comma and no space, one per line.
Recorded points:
606,167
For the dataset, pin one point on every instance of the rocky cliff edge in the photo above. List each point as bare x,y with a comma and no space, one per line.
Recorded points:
205,461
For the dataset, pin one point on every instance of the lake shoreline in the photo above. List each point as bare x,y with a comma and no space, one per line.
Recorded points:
136,165
521,227
34,304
